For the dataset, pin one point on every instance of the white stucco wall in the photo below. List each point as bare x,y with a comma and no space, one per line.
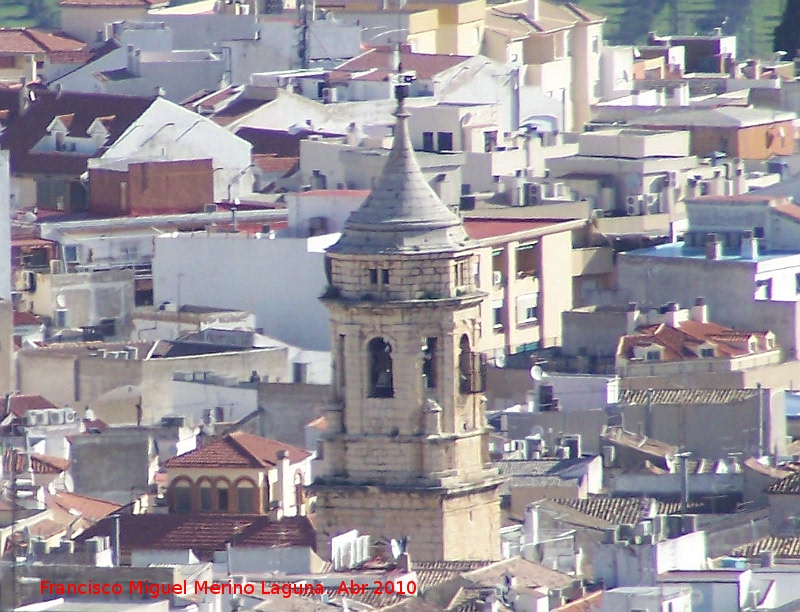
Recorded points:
193,398
5,226
279,280
167,131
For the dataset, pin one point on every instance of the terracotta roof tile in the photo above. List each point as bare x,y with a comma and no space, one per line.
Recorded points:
20,404
238,450
24,131
426,65
26,318
112,3
686,396
681,342
47,528
40,464
90,508
205,533
787,547
273,163
786,486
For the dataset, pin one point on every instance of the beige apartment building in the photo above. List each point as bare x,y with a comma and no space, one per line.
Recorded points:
526,267
453,27
557,47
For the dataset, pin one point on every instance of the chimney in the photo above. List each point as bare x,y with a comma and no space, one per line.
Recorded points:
671,312
30,68
749,245
404,562
699,312
713,247
739,179
134,61
632,315
533,9
513,83
284,480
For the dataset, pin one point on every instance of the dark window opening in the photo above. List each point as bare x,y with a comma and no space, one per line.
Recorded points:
380,368
489,141
385,276
471,369
373,276
429,363
182,498
222,497
444,141
246,498
427,141
206,504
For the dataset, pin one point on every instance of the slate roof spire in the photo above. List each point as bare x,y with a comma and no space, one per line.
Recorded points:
403,213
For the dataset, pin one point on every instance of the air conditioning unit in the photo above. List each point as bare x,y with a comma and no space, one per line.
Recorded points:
209,208
70,416
35,417
497,277
56,266
62,317
329,94
533,194
56,417
633,205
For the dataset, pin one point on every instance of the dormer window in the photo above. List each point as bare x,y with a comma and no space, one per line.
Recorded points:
653,355
98,130
707,352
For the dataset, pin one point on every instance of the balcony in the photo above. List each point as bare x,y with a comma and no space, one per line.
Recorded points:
592,260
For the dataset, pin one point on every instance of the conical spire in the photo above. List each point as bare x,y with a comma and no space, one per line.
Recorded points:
402,213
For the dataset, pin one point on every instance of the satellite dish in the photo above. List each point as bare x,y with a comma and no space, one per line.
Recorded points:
536,373
29,217
500,360
61,301
537,430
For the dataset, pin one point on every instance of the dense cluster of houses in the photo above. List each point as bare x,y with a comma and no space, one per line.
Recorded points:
416,306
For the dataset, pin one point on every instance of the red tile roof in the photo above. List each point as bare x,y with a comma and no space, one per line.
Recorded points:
786,486
786,547
273,163
237,450
492,228
683,342
89,508
19,41
114,3
205,533
26,318
20,404
426,65
40,464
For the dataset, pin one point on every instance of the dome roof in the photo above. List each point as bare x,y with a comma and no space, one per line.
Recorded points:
403,213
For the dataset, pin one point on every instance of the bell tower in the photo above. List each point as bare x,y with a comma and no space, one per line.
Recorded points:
406,449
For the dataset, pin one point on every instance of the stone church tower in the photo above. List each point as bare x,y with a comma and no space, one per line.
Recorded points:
406,450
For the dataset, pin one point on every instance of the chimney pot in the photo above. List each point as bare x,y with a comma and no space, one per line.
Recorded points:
713,247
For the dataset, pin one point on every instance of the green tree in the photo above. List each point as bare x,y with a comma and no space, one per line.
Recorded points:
787,34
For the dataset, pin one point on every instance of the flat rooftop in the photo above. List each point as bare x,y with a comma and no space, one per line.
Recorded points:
480,229
677,250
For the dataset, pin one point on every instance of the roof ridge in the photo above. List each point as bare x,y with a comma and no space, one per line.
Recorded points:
234,438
